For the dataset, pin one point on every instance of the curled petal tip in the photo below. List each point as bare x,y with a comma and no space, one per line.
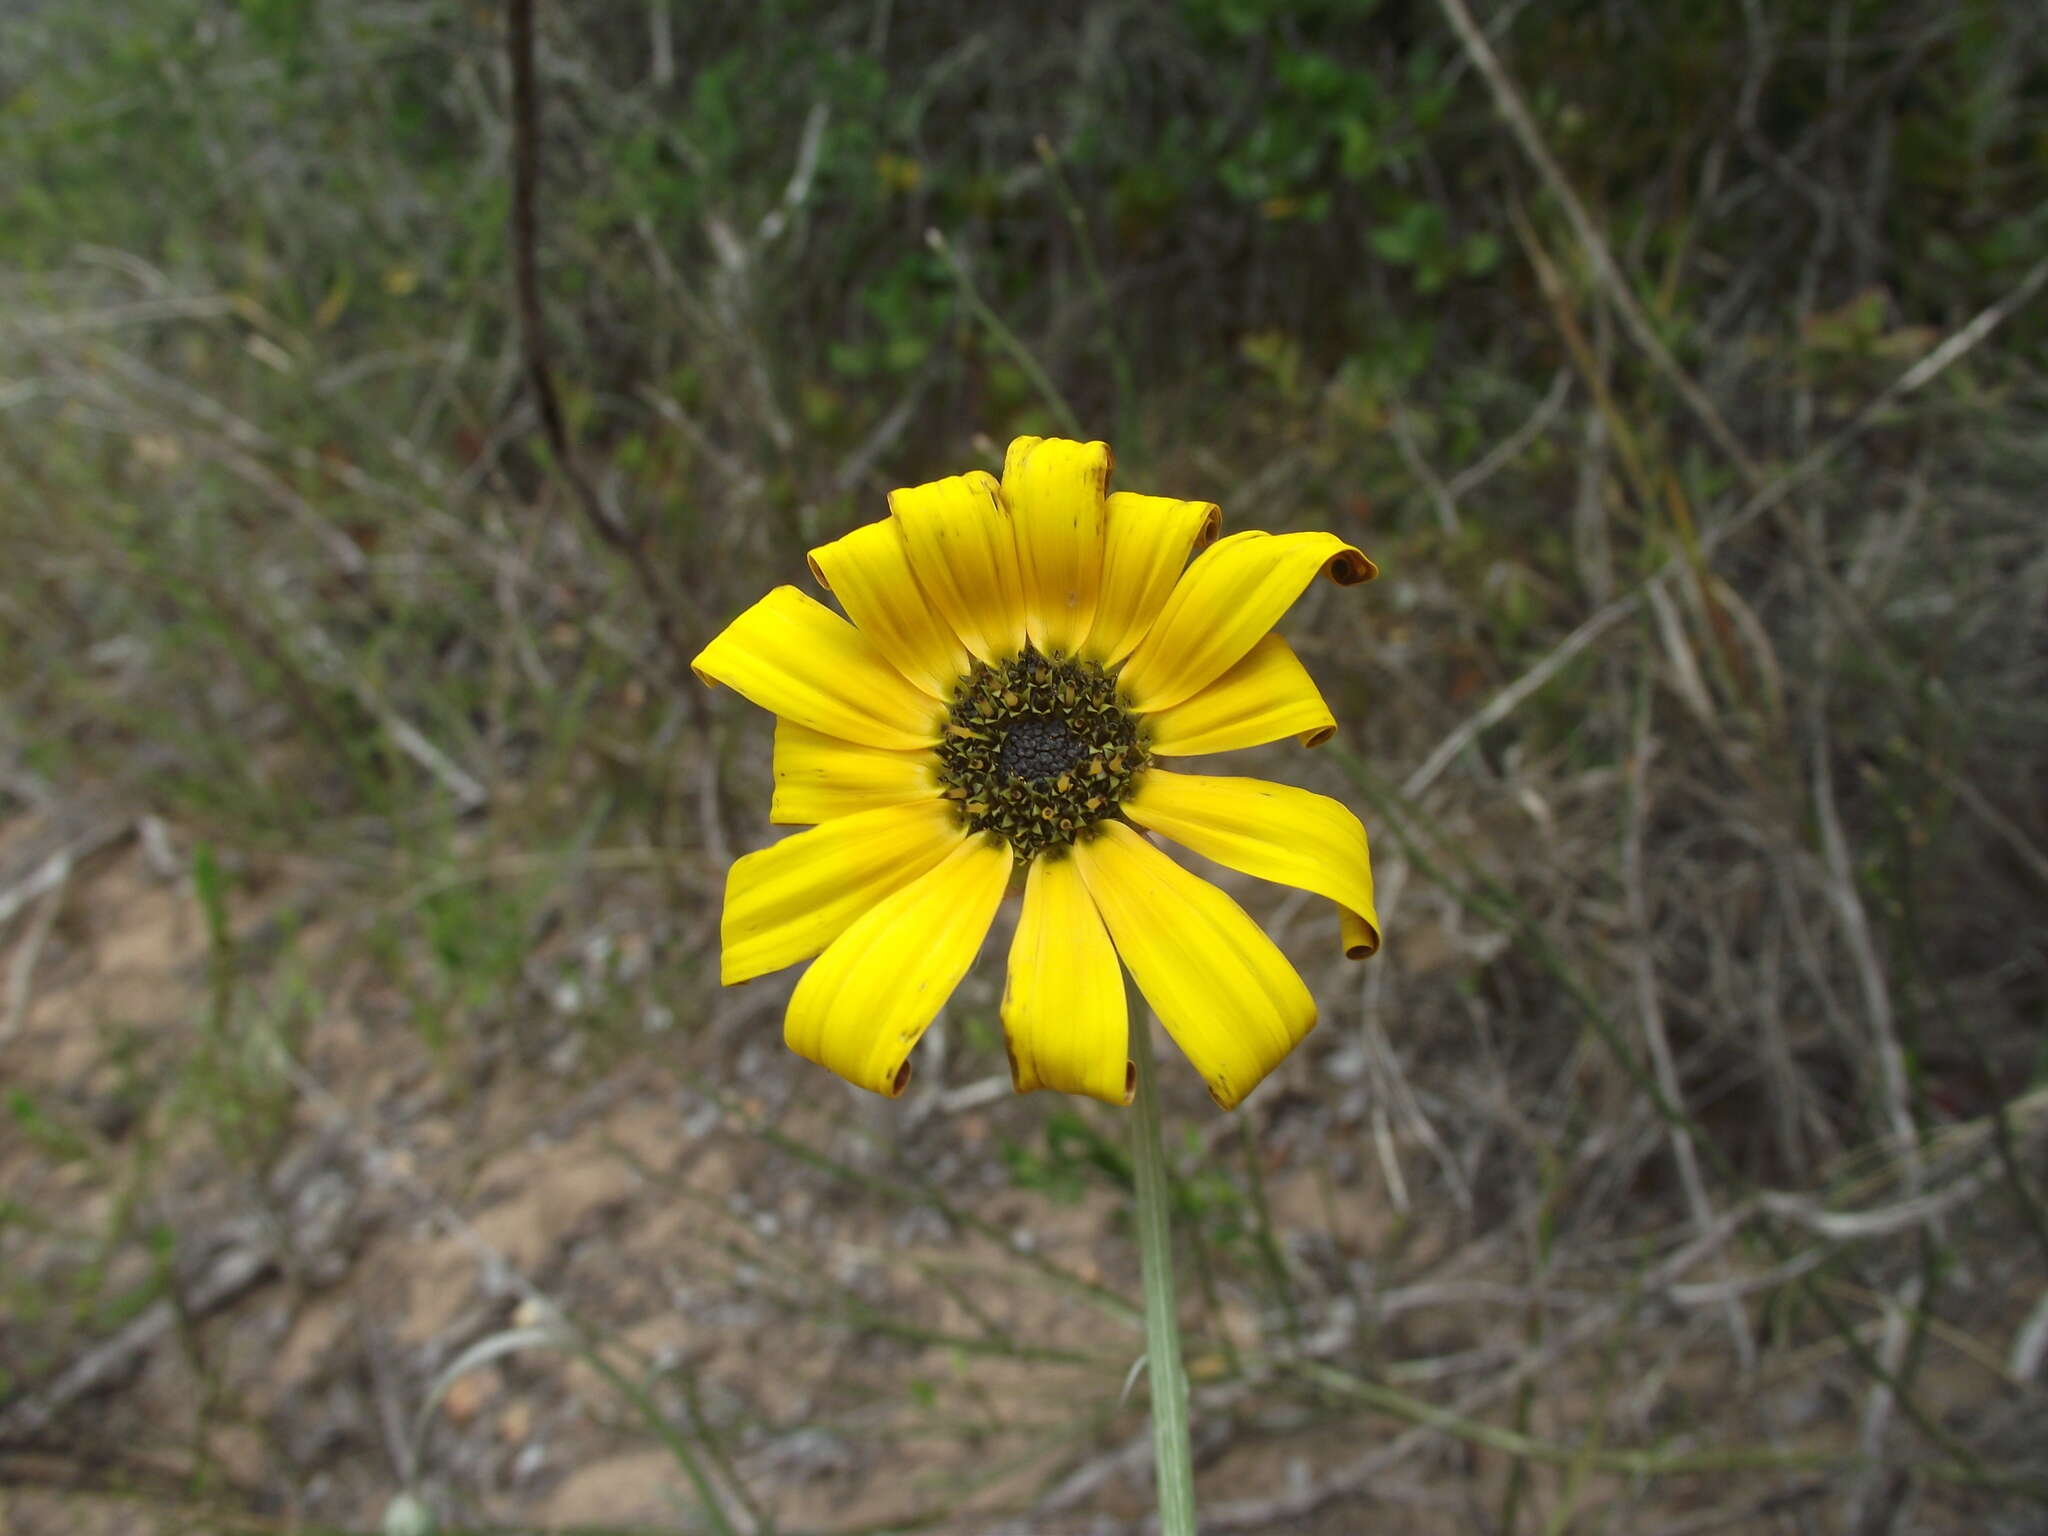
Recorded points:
1348,567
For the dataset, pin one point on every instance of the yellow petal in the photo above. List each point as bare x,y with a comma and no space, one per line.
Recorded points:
1147,540
786,902
963,548
1223,990
1266,696
1227,599
1063,1005
862,1006
869,572
820,777
792,655
1055,489
1273,831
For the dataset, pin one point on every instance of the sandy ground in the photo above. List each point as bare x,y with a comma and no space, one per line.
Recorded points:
486,1270
859,1358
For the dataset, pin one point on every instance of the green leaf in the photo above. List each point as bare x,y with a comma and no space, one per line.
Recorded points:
1481,254
1414,234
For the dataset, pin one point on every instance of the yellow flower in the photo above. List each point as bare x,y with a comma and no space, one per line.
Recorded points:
1021,655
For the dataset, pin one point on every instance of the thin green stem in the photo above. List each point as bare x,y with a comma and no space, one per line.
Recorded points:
1005,337
1162,1322
673,1439
1127,424
1268,1241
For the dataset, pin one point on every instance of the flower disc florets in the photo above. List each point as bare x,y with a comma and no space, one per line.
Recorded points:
1038,749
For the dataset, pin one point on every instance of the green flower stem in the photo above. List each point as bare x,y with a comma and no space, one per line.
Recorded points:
1162,1321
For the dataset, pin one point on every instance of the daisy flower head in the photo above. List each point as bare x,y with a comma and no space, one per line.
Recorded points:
1016,660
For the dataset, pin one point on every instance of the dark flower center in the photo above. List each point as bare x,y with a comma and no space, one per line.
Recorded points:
1038,750
1038,747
